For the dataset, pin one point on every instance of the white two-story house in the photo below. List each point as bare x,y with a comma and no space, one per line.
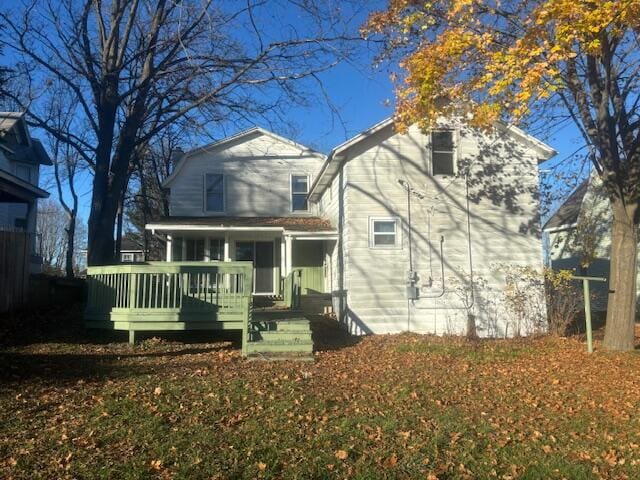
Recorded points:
398,231
20,159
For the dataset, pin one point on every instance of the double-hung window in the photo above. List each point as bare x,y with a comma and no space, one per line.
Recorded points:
299,193
214,192
443,158
384,233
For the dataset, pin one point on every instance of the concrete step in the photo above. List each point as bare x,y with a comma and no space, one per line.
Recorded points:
273,347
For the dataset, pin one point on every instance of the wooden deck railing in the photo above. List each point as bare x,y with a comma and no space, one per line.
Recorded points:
170,296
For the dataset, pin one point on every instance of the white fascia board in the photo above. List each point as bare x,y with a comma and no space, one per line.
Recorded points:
213,228
314,237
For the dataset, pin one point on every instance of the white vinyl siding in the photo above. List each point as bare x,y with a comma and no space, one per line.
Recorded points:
375,279
257,175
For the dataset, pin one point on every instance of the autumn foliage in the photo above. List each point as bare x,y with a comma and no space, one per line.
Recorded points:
491,59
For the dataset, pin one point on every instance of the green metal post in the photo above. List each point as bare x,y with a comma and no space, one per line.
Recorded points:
587,314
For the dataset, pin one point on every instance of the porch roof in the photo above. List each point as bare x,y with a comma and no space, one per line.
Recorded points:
282,224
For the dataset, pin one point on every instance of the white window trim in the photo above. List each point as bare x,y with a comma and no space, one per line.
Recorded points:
454,136
302,174
398,233
224,193
128,257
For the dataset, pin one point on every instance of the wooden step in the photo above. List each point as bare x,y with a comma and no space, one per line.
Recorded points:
273,347
281,336
281,357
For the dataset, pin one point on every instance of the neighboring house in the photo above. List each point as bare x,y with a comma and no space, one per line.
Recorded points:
579,236
20,160
388,227
131,251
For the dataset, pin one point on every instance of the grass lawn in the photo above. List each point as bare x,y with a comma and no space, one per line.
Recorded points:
404,406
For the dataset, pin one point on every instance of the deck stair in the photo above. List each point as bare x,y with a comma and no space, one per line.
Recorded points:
279,335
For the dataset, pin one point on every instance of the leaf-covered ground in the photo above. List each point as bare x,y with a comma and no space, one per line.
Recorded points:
404,406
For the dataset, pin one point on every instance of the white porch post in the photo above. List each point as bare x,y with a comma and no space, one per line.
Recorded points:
227,257
283,260
169,248
288,255
207,249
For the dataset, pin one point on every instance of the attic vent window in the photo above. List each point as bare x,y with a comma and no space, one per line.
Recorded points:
442,152
214,192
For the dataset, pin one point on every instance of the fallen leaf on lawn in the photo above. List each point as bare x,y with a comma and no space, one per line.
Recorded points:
341,454
157,391
262,466
391,461
155,464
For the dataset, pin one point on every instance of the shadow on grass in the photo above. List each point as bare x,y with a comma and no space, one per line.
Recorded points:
53,346
327,334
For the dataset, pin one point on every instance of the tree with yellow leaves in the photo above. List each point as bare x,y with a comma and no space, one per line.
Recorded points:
519,60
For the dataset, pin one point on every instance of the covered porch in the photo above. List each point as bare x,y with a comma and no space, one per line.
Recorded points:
287,253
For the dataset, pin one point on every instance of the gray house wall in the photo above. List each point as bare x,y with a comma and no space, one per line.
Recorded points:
257,177
503,185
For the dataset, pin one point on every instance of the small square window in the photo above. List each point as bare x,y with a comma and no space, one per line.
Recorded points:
214,192
442,152
299,193
127,257
384,233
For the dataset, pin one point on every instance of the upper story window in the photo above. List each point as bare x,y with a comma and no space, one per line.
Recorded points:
384,232
214,192
443,158
299,193
23,172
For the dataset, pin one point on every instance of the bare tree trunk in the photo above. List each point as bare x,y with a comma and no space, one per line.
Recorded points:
621,311
71,236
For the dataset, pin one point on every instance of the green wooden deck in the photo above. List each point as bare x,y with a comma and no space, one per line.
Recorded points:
170,296
158,296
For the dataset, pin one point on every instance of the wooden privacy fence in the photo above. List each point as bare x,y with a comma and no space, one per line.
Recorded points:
170,296
15,251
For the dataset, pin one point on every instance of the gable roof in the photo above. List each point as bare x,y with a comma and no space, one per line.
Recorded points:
239,137
568,213
332,164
